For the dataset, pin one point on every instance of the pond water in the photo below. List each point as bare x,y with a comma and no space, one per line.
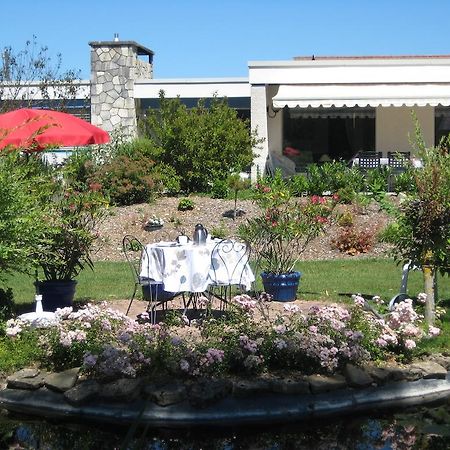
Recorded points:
419,429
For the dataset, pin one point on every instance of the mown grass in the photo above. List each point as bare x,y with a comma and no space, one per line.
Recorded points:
108,281
338,279
334,280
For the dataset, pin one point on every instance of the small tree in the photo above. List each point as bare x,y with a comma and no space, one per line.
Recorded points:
203,144
30,76
423,235
236,182
21,188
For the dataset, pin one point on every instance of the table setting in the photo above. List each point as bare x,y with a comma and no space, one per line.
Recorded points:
186,265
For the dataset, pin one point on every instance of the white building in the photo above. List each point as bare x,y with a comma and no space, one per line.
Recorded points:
330,107
321,108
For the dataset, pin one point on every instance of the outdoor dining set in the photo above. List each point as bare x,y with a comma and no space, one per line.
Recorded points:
201,267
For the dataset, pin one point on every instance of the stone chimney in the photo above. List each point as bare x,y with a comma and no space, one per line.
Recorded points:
115,65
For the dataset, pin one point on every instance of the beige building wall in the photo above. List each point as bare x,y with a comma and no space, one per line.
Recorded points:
275,124
258,117
394,127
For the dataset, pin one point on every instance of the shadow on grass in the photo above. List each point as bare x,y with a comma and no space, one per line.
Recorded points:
22,308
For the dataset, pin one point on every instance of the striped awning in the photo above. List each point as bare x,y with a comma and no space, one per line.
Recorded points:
349,95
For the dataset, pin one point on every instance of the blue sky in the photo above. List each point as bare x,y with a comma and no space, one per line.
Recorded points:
197,38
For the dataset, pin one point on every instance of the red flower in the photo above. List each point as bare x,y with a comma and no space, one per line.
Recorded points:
95,186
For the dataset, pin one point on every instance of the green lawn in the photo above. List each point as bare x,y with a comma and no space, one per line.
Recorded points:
334,280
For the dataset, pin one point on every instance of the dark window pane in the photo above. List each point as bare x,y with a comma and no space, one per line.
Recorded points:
323,134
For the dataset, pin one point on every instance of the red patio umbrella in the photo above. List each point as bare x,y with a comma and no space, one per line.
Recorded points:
36,129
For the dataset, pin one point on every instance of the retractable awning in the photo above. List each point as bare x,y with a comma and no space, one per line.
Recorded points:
349,95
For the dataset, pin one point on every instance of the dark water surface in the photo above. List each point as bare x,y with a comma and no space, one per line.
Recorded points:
419,429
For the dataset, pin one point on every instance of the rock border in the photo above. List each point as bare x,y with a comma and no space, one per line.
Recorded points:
226,402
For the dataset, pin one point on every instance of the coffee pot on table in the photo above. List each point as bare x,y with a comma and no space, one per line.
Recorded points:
200,234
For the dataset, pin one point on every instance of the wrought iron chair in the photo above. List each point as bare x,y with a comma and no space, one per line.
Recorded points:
229,262
152,291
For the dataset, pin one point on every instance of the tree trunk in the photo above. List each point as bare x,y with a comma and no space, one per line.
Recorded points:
430,306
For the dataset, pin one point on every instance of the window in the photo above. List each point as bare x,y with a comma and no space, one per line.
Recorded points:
324,134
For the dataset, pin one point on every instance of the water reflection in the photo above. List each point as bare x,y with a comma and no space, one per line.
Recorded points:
425,429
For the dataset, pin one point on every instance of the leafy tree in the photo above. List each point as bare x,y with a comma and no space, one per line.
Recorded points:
30,76
203,144
423,221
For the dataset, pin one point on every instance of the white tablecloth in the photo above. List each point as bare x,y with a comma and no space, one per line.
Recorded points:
190,268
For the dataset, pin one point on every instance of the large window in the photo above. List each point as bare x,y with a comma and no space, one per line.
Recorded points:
324,134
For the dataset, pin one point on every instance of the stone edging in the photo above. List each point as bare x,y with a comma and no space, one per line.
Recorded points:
223,402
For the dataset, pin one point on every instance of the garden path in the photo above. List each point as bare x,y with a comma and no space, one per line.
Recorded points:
140,306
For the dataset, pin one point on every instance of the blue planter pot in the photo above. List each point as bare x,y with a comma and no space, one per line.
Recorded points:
56,294
157,292
282,288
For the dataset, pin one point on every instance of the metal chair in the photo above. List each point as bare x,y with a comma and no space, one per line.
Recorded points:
152,290
229,261
369,160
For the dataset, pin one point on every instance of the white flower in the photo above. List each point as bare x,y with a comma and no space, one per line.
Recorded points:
154,220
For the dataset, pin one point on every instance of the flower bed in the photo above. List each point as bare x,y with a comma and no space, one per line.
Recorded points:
109,345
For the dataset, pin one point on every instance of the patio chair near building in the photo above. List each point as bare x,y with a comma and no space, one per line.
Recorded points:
368,160
276,161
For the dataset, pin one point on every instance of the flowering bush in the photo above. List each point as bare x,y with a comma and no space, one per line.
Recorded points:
108,344
402,327
286,226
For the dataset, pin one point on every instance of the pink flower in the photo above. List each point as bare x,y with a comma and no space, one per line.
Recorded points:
359,300
291,307
214,355
90,360
410,344
279,329
433,331
184,365
248,344
422,298
381,342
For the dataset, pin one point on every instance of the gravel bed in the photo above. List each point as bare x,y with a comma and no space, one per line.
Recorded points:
216,214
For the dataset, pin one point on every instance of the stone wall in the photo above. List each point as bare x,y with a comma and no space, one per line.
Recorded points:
115,65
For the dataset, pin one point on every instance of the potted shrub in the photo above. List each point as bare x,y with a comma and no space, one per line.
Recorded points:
282,232
65,244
